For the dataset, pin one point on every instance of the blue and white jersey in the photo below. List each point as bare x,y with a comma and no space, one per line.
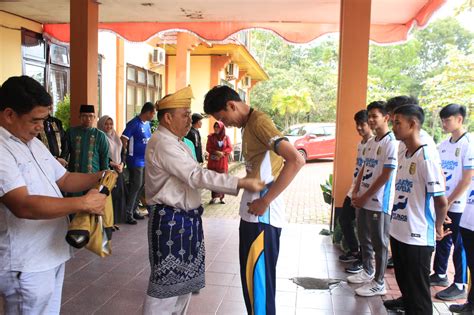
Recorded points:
359,163
455,158
138,133
425,138
467,218
379,154
419,178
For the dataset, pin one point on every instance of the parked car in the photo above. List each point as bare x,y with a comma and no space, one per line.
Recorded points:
313,140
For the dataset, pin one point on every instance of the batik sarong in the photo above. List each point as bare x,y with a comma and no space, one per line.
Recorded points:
176,251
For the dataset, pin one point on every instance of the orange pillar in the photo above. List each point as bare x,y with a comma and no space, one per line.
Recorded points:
185,44
119,86
217,64
352,89
84,16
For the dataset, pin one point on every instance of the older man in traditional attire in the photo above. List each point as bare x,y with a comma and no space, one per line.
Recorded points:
89,148
172,182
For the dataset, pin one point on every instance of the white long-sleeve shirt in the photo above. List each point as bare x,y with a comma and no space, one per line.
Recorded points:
174,178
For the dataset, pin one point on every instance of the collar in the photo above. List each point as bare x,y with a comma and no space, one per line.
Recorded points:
167,133
5,134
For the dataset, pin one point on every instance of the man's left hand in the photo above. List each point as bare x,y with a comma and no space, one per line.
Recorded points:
258,206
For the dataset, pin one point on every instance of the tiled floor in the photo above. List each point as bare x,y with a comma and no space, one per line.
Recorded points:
117,284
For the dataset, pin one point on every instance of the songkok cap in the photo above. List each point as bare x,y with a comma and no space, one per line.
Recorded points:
196,117
179,99
87,109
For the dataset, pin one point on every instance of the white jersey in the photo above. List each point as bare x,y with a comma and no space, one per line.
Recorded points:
425,138
358,167
419,178
455,158
467,218
379,154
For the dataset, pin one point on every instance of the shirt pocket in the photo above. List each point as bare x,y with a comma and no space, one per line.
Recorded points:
28,173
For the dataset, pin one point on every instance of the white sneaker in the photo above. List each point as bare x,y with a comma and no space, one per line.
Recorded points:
371,289
361,277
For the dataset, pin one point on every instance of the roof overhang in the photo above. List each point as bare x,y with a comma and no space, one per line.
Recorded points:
296,21
238,54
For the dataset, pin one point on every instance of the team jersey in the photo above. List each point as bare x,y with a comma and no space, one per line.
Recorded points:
379,154
259,138
358,167
138,133
419,178
455,158
425,138
467,218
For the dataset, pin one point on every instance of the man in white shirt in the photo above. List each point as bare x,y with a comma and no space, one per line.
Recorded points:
467,233
373,196
457,161
418,213
172,182
33,212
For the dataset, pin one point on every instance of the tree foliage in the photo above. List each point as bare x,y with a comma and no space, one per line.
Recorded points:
436,65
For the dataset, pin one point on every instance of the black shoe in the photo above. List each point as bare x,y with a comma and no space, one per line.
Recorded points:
131,221
394,305
349,257
137,216
390,263
222,201
436,280
356,267
466,308
451,293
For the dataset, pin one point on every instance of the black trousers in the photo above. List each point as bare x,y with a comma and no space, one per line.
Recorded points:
347,216
468,241
259,246
412,271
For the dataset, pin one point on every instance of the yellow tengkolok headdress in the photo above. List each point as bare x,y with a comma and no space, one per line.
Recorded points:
179,99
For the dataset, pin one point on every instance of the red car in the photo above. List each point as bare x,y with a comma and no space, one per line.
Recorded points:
313,140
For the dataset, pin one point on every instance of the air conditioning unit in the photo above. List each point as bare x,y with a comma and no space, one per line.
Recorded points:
158,56
231,71
247,81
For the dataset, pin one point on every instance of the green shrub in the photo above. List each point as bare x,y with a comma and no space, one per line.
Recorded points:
63,111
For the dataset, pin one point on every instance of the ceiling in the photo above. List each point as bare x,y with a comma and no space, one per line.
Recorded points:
388,16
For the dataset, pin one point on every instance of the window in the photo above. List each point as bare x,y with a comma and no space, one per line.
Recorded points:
33,49
49,64
227,83
243,95
142,86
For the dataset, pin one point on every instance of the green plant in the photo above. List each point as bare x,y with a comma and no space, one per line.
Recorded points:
326,188
63,111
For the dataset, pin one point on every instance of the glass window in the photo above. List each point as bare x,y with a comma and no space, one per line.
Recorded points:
33,45
58,79
141,77
59,55
130,95
330,130
151,79
36,71
131,74
318,131
140,98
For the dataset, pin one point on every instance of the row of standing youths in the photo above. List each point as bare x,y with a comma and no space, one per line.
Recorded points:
415,197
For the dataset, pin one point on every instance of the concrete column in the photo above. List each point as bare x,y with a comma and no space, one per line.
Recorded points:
185,44
84,16
352,89
120,86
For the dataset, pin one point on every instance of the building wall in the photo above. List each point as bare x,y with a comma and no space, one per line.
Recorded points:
107,48
10,43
